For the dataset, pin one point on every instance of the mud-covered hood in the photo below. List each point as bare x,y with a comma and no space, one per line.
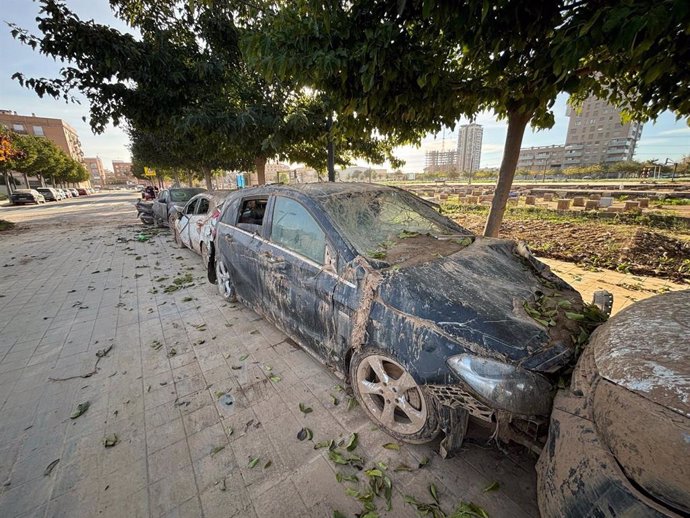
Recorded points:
477,296
646,349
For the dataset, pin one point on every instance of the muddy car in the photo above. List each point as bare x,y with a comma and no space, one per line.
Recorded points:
194,226
169,202
619,440
24,196
431,324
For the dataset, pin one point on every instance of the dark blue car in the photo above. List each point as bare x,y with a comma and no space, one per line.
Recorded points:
431,324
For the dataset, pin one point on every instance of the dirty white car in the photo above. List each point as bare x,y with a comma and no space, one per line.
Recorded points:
194,225
619,437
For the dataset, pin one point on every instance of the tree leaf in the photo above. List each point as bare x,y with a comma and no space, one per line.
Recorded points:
352,442
492,487
216,449
244,357
50,467
274,378
253,462
433,491
268,464
111,440
81,408
305,409
392,446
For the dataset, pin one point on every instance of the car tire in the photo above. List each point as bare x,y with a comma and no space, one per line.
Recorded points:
176,236
226,289
392,398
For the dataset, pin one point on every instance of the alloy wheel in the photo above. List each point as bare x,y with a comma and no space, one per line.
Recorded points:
223,281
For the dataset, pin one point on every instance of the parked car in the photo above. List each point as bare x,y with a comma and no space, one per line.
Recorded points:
619,439
66,193
24,196
75,192
195,225
82,191
49,193
431,324
170,201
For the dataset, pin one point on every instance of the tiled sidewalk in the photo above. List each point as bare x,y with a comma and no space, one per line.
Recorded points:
182,450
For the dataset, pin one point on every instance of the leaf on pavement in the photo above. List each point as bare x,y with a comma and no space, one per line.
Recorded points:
50,467
392,446
81,408
253,462
352,442
305,409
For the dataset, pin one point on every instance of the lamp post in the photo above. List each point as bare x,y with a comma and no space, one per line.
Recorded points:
675,167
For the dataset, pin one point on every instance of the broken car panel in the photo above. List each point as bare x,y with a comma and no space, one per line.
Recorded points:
431,323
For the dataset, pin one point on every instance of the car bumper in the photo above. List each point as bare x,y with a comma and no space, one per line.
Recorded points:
578,476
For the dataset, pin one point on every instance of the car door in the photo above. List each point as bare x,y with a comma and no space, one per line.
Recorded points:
160,206
185,221
298,277
197,222
238,242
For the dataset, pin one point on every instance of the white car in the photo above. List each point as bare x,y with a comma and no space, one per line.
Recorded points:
194,226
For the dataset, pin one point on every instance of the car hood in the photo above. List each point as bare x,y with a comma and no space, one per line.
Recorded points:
476,296
646,349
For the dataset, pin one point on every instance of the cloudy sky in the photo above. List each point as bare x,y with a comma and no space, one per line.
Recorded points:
666,138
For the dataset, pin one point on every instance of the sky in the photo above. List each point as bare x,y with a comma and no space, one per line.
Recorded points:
665,138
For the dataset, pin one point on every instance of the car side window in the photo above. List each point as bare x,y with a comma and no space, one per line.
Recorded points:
191,206
251,215
295,229
202,207
163,196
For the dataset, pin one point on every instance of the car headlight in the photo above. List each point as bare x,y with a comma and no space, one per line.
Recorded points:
504,386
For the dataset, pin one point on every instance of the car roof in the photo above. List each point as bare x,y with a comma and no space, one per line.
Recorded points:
24,190
320,189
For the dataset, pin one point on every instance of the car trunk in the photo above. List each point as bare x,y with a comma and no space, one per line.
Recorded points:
479,294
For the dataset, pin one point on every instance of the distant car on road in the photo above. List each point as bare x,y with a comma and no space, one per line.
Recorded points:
24,196
619,437
170,201
75,193
49,193
431,324
82,191
195,225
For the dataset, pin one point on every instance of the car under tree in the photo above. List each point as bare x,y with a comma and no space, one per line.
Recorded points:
431,324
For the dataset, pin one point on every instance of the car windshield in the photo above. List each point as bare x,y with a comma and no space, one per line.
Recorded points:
183,195
394,226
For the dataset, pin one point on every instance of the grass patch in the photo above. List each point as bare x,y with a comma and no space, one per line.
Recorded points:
5,225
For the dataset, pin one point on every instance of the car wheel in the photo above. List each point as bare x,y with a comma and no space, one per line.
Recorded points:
225,287
176,235
392,398
204,255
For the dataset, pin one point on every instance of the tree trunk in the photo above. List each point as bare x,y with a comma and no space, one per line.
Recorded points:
43,181
260,163
26,180
190,178
517,122
6,176
330,148
208,179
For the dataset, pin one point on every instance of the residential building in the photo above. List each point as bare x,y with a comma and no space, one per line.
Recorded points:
541,158
440,161
469,147
122,168
56,130
597,135
273,170
94,166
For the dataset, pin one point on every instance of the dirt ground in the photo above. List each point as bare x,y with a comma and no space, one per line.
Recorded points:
624,248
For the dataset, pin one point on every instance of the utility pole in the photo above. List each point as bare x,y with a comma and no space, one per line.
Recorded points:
331,150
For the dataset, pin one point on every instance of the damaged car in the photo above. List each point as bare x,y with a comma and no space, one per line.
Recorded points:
431,324
619,439
194,226
169,202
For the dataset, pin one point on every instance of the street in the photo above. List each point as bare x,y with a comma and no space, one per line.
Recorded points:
129,388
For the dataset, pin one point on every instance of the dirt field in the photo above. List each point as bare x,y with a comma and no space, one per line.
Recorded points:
633,249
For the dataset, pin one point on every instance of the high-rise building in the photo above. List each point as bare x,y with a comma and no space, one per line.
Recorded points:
56,130
541,158
440,161
469,147
596,135
94,166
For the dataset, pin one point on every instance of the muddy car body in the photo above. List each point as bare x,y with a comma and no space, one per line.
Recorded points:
24,196
171,201
619,439
429,322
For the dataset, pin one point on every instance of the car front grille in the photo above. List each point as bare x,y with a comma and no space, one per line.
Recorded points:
456,396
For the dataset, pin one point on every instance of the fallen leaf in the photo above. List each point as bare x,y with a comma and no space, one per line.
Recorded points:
81,408
305,409
244,357
216,450
50,467
334,400
268,464
434,492
305,433
402,467
392,446
423,462
253,462
352,442
492,487
351,403
110,440
274,378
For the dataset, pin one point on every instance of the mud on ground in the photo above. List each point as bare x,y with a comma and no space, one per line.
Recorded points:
624,248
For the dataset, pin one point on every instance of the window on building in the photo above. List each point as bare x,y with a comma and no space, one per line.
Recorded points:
19,128
38,131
